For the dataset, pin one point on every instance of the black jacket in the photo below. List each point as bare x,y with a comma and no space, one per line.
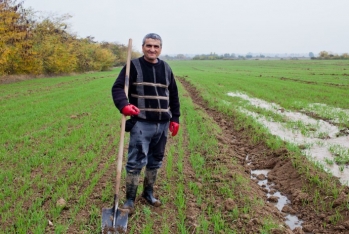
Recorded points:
152,88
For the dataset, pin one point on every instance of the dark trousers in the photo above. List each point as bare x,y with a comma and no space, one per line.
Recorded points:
147,146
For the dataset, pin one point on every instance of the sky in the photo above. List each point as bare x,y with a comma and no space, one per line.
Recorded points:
211,26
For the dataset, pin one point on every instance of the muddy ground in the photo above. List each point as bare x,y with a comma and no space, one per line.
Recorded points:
234,144
287,179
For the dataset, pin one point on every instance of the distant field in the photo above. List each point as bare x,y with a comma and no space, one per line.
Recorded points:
290,83
303,102
59,139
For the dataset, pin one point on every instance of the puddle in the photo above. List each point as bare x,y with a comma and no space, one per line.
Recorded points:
291,220
316,148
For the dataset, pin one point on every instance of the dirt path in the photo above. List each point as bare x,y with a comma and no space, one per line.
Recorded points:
320,212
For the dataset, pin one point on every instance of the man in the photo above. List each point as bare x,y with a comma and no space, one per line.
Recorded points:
153,105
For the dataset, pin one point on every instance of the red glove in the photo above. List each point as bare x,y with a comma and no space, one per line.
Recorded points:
130,110
174,128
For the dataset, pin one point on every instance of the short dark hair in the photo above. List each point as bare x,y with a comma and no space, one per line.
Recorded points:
152,36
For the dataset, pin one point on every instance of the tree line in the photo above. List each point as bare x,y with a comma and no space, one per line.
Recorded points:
214,56
329,55
30,45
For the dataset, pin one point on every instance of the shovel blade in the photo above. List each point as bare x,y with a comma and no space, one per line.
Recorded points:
107,220
120,217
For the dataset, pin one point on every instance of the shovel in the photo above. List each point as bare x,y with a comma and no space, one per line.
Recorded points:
114,219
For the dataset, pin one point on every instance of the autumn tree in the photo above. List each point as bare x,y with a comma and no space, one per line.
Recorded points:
323,54
15,39
120,52
42,45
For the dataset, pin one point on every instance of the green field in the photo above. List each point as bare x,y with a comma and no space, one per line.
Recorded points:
308,99
291,83
59,139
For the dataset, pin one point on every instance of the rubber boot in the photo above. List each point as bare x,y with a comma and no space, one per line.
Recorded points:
132,180
149,180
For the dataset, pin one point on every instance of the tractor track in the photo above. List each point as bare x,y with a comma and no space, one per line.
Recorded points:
288,179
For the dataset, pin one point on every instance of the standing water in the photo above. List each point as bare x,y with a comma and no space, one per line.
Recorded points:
324,141
291,220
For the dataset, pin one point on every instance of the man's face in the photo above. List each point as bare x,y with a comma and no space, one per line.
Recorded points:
151,50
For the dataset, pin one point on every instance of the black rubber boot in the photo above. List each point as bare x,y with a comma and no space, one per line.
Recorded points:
149,180
132,180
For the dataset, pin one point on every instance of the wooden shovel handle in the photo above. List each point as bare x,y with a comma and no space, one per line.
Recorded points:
123,122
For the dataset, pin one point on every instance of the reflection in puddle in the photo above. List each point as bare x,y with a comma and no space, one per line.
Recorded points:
291,220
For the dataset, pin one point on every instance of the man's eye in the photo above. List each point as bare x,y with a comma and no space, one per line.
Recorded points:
155,46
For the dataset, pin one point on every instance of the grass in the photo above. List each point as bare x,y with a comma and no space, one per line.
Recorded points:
53,140
59,138
255,77
268,91
204,150
291,86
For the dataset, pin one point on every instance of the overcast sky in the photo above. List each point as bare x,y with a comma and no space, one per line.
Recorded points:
204,26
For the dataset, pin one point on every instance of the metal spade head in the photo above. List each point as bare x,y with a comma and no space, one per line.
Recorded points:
109,226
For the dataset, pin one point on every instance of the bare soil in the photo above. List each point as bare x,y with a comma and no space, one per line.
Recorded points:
288,179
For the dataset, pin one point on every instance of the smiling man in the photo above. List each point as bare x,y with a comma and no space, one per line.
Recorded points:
153,105
152,49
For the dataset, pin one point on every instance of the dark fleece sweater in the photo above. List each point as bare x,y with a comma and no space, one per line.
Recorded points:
152,73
